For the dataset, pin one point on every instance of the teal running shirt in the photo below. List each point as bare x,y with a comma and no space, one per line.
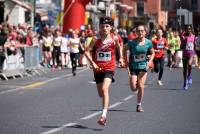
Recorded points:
138,54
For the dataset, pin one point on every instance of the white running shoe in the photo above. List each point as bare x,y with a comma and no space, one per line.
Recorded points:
160,82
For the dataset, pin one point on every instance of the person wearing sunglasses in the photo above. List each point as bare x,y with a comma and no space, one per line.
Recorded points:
140,60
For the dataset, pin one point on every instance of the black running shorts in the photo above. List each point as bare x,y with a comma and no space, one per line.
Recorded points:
99,77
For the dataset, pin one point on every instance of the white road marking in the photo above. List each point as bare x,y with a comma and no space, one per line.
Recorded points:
83,118
99,112
46,81
11,90
91,115
59,129
92,82
128,97
114,105
55,130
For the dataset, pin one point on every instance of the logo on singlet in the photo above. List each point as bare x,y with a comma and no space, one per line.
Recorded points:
105,44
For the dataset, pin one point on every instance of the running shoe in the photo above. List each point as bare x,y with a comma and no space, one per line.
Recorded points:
102,121
185,86
74,73
113,79
48,65
189,80
139,108
53,69
160,82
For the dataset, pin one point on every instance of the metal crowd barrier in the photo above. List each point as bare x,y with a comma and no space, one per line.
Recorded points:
12,65
32,59
20,64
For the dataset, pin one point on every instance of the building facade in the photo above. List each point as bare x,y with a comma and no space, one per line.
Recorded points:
147,12
182,12
173,13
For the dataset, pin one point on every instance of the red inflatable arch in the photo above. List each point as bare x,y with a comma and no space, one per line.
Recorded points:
74,14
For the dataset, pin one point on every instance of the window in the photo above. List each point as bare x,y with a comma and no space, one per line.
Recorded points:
165,4
140,8
194,5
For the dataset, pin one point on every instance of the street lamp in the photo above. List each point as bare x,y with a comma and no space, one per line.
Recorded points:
178,5
34,13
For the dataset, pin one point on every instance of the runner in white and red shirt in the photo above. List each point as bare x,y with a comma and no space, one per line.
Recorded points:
103,61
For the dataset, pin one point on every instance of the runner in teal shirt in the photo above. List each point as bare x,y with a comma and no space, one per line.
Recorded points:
138,54
139,48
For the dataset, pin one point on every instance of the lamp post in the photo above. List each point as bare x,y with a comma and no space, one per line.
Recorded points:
33,13
178,3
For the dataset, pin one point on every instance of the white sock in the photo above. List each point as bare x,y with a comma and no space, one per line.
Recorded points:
139,104
104,112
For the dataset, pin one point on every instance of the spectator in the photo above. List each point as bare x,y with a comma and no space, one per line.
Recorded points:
47,40
28,37
74,44
3,38
57,40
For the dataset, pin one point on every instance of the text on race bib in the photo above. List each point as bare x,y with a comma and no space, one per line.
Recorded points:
160,46
75,46
189,46
104,56
139,57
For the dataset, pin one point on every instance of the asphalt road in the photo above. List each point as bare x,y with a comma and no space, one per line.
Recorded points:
58,103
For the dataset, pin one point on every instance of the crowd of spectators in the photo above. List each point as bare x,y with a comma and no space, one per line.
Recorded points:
56,47
14,38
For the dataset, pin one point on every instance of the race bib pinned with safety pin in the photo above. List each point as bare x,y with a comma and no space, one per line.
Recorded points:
104,56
